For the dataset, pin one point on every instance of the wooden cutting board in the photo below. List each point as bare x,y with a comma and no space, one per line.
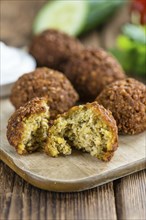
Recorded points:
76,172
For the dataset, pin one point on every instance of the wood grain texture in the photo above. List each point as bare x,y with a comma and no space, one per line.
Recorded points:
76,172
130,196
19,200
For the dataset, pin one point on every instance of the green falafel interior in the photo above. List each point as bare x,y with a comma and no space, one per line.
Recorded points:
86,127
27,128
35,133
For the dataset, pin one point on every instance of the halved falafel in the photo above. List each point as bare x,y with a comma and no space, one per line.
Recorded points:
45,82
91,70
126,99
27,128
89,127
52,47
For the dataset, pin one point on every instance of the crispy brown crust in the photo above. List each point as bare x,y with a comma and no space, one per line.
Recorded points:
91,70
107,117
45,82
53,47
15,127
126,99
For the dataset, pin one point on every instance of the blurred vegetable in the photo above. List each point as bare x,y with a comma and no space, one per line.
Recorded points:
138,9
131,49
135,32
99,11
74,17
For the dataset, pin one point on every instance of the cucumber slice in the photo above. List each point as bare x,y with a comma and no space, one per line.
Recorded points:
66,16
100,11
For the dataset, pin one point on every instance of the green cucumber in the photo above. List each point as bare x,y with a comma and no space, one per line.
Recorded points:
66,16
74,17
99,11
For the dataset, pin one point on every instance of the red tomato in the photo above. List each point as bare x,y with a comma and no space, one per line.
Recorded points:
139,6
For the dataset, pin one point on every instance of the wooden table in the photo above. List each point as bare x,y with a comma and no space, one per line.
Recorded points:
122,199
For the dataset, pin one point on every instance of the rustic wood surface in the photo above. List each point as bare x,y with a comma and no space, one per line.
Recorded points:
123,199
76,172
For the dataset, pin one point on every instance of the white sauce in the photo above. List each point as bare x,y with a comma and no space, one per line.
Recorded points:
14,63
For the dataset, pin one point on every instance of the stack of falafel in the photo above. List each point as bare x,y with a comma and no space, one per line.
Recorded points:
45,117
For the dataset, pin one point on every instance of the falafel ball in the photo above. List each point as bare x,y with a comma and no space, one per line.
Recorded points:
27,128
91,70
45,82
88,127
126,99
52,47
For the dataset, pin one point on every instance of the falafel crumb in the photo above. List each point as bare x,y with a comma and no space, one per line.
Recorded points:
82,128
35,134
27,128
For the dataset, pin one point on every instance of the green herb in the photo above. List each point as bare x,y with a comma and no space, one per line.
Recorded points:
131,49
